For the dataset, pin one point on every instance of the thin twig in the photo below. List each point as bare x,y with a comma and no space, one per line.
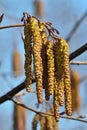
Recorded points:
47,114
78,62
77,24
12,26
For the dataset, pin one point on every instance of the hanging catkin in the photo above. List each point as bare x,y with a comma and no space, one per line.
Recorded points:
17,63
39,8
67,81
75,81
19,118
35,121
50,66
59,72
37,47
28,55
44,59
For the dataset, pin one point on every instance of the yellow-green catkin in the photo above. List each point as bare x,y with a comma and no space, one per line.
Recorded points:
38,67
50,66
42,123
67,81
56,103
49,123
59,73
28,56
75,81
35,122
44,59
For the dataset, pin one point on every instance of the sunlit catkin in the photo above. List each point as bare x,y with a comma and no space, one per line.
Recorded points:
43,123
75,81
59,72
67,81
28,56
38,67
35,122
50,66
17,63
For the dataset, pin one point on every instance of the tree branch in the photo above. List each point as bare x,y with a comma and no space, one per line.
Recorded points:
47,114
77,24
12,26
78,52
78,62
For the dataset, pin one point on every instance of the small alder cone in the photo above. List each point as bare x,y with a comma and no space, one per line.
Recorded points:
28,56
50,66
17,63
35,122
37,47
39,8
75,81
67,81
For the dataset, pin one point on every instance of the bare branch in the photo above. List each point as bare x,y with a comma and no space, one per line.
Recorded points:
78,62
12,26
47,114
78,52
77,24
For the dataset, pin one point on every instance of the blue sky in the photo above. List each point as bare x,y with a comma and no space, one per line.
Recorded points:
63,14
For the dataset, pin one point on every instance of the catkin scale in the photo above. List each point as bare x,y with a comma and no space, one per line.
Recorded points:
37,46
28,55
17,63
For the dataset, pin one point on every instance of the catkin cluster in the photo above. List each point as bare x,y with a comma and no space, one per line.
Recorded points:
51,64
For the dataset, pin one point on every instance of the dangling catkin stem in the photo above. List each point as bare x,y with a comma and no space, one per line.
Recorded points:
28,56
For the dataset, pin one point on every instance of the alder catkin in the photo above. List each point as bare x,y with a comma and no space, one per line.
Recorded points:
35,121
28,56
75,81
50,66
19,118
67,81
59,72
17,63
39,8
38,67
